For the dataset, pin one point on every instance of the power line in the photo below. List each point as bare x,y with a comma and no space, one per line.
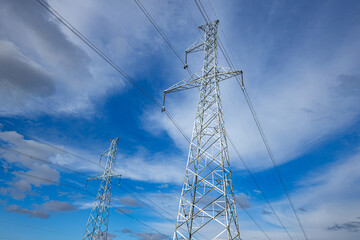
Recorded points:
156,205
128,215
247,98
69,169
176,53
27,94
206,18
147,205
162,34
109,61
243,126
53,12
84,39
38,140
42,160
191,16
202,11
142,195
258,186
233,58
159,30
139,221
177,126
47,180
273,161
11,85
223,50
86,175
48,144
253,220
252,176
70,186
222,31
236,150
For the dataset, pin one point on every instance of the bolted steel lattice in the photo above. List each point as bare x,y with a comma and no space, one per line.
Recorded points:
207,204
98,222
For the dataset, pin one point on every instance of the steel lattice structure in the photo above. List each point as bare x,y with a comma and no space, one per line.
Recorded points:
97,225
207,204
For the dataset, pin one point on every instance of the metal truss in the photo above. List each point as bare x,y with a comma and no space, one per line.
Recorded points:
207,204
98,222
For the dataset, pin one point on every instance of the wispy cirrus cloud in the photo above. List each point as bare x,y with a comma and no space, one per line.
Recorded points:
351,226
79,79
124,210
327,201
37,73
34,171
299,102
145,235
44,210
35,164
128,201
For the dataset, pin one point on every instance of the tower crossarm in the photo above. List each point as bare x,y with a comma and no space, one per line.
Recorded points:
197,46
103,176
191,82
195,80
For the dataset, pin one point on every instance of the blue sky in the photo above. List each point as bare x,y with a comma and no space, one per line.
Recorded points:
60,100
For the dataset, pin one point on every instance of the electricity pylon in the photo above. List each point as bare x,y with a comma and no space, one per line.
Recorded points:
207,204
98,222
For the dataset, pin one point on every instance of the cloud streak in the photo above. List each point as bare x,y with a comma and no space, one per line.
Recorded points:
330,200
145,235
41,75
299,102
44,210
351,226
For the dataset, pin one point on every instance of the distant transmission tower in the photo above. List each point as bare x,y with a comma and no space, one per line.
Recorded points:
98,222
207,204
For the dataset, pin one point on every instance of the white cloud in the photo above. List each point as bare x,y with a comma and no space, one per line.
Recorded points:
32,170
42,210
53,153
48,73
329,202
298,105
80,78
155,168
141,166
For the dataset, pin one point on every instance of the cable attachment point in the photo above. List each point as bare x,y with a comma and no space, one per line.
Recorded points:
87,180
242,81
185,63
163,106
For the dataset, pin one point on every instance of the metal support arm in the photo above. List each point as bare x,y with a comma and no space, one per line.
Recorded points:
195,47
195,80
222,74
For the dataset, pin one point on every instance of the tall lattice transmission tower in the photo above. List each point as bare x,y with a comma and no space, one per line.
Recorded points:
98,222
207,204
